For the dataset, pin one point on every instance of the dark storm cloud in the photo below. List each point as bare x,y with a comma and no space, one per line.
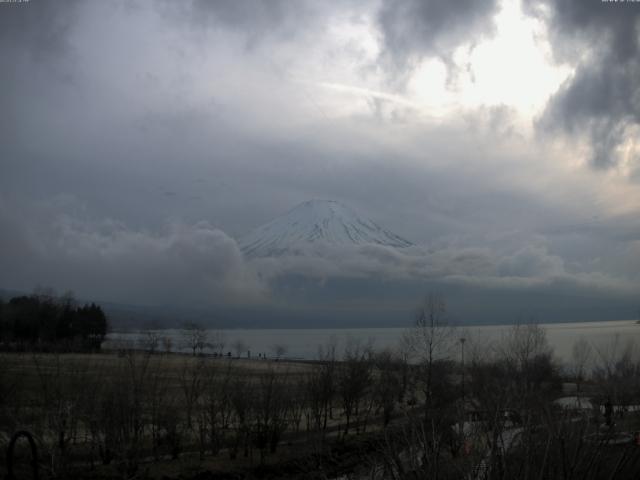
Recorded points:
602,99
40,27
255,19
34,50
480,285
195,265
64,245
258,21
417,28
529,266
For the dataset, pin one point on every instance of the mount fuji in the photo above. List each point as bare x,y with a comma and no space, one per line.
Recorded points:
315,222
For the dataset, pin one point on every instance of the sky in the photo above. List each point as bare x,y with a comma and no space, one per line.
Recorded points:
140,140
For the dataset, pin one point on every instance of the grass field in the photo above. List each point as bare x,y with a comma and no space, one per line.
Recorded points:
122,413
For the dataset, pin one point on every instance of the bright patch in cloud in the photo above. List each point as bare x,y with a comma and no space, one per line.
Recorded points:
513,69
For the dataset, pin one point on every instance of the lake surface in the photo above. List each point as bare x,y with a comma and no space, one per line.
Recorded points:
305,343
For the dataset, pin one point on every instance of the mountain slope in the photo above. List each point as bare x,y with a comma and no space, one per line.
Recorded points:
315,221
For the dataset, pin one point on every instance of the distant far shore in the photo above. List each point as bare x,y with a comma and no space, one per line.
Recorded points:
303,343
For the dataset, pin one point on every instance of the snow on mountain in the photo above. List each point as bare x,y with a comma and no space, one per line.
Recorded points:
316,221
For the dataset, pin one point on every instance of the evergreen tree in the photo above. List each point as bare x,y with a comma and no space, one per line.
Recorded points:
44,319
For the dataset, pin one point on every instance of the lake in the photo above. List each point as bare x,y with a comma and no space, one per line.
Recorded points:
304,343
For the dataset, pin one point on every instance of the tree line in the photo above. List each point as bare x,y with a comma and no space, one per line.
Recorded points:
44,321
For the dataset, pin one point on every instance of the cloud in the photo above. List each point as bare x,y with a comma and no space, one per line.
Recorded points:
195,265
600,102
38,27
60,243
531,261
258,24
256,20
415,29
527,268
381,285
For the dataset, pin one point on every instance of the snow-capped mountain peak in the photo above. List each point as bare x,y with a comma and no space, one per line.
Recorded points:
315,221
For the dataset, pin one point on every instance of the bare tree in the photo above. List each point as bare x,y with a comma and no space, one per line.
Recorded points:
12,384
239,347
121,412
387,384
195,337
616,369
242,401
354,378
192,378
150,342
218,341
320,387
530,379
279,350
62,393
167,344
270,410
581,355
526,351
217,412
430,342
159,401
